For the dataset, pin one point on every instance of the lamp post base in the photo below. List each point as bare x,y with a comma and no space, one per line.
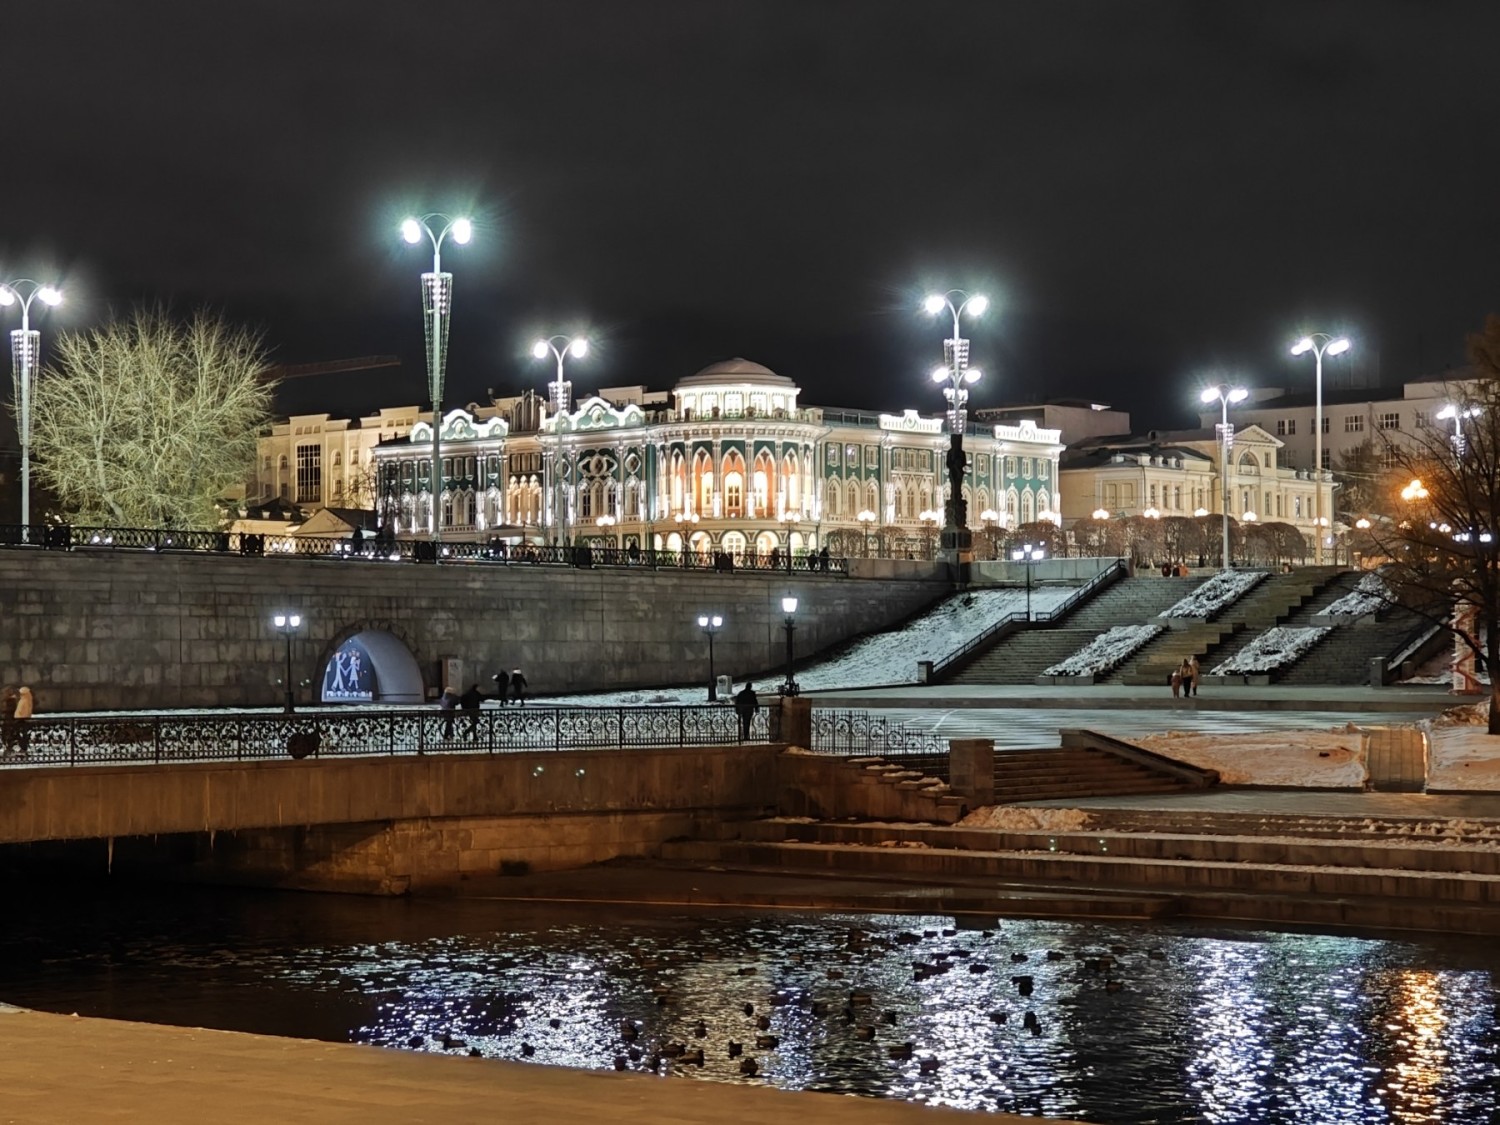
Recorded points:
957,545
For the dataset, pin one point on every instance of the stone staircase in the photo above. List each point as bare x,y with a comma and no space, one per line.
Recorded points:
1020,657
1344,656
1073,772
1271,602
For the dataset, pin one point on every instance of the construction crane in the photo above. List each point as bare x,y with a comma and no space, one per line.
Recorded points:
332,367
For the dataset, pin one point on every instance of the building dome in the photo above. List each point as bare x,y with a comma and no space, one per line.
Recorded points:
736,370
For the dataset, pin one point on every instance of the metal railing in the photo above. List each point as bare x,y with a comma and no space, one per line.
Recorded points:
63,537
860,734
104,739
1047,616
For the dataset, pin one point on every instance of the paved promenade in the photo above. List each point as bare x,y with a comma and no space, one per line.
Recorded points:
1091,697
63,1070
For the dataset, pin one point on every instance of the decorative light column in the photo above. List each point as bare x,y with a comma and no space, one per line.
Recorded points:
710,624
25,358
791,520
437,299
789,608
287,624
1226,394
866,520
1320,344
560,390
1027,555
1458,414
957,373
606,524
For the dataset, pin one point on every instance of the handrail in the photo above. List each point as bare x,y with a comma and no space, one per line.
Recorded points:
1105,576
63,537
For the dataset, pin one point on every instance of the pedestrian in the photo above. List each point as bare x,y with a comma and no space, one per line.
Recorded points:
823,560
501,681
357,542
1175,679
518,687
1194,673
8,729
745,706
25,706
447,704
1185,674
469,701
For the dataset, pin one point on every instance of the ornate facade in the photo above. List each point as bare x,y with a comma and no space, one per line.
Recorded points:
730,461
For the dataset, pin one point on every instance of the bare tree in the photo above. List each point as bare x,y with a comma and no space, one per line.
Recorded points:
147,422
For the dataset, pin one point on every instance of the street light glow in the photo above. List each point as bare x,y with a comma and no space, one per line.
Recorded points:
49,295
977,305
972,375
411,230
1101,513
1239,394
6,296
789,604
935,304
540,349
1209,394
1302,346
940,374
463,230
1338,347
579,347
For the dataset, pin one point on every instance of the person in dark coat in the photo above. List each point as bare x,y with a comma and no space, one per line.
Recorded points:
502,685
745,706
447,704
469,701
518,687
823,559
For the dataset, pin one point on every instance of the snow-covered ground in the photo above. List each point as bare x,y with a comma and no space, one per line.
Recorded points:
880,659
1370,596
1275,648
1219,591
1303,759
1105,651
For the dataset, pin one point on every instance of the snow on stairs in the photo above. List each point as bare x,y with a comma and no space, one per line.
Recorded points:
1070,772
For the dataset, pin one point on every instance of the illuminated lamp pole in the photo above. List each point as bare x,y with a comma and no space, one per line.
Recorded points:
957,373
1028,554
1225,395
287,624
792,519
1320,344
1458,414
710,625
25,357
789,608
606,524
437,296
562,401
866,520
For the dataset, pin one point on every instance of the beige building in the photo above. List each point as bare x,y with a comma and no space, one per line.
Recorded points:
314,461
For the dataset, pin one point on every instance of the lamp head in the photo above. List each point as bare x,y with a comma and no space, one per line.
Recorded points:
702,621
463,230
1338,347
1449,411
50,295
716,620
411,230
1239,394
978,304
279,620
540,349
789,605
940,374
1209,394
972,375
294,620
6,296
934,304
1302,346
579,347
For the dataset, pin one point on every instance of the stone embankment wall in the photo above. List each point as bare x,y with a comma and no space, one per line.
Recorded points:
102,630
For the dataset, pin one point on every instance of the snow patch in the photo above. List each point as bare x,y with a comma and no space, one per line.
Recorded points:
1020,819
1371,596
1275,648
1222,589
1300,758
1105,651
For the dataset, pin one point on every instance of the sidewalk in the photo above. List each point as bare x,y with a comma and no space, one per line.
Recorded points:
1089,697
65,1070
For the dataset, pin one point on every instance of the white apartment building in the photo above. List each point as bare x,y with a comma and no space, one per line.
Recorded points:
317,461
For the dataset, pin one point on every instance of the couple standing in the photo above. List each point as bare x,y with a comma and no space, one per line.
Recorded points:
513,684
1185,679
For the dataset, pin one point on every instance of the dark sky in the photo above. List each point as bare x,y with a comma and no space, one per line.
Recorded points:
1150,191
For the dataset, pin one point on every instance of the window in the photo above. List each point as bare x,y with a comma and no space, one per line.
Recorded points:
872,456
1327,458
266,465
1288,459
1153,495
309,473
1281,427
338,458
833,499
1010,466
1419,419
1389,421
1326,420
281,464
1389,458
734,493
1354,423
1041,469
833,454
1286,427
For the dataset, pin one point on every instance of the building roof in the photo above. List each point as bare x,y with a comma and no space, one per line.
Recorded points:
736,370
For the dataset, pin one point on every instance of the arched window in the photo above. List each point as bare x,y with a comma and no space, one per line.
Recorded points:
734,493
872,497
833,499
764,482
338,458
281,463
853,495
791,483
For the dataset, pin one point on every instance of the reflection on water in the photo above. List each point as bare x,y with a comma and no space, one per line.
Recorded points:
1122,1023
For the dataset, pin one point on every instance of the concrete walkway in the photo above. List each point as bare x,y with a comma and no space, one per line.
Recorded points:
64,1070
1273,697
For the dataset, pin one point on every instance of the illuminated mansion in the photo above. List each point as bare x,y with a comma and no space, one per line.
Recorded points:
727,461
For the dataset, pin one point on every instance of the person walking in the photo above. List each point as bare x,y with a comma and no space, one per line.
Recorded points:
447,704
469,701
1194,673
1175,679
745,706
8,729
501,680
25,707
518,687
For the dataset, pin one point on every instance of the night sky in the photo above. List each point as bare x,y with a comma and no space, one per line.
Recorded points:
1150,192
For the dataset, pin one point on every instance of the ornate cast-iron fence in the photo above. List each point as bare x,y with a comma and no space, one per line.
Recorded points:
62,537
859,734
91,740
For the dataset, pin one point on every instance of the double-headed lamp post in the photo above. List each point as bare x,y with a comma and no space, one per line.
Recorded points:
1458,414
710,624
957,373
1320,344
1225,395
25,357
560,391
287,624
1028,554
789,623
437,298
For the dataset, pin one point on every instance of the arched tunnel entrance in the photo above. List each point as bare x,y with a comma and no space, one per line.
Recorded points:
372,666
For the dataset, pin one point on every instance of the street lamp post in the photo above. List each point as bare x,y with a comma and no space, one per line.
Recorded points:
957,373
606,524
789,608
1458,414
791,520
561,391
866,520
25,356
437,295
1226,394
1320,344
287,623
1027,554
710,625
